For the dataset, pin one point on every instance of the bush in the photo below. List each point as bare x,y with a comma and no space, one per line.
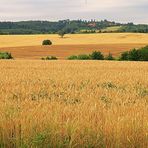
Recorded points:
97,55
109,57
83,57
46,42
73,57
124,56
50,58
5,55
135,55
79,57
144,53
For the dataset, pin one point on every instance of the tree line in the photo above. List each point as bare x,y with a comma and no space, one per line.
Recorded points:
67,26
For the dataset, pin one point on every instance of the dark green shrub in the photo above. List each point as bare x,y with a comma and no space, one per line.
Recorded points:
5,55
50,58
83,57
134,55
109,57
124,56
73,57
144,53
140,54
46,42
97,55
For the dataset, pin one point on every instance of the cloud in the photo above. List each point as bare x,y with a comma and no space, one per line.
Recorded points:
118,10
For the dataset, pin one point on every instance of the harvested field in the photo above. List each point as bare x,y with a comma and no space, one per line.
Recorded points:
63,51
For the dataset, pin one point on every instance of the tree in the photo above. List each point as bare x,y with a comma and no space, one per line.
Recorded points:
124,56
109,57
61,33
97,55
134,55
144,53
140,54
46,42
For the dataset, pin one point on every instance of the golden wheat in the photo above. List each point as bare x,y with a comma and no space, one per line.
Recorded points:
73,104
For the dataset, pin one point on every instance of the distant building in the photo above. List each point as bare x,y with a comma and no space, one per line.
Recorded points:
92,24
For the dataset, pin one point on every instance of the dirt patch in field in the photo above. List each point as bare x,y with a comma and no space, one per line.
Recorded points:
63,51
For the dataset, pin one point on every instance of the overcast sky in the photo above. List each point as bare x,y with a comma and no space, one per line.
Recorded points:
116,10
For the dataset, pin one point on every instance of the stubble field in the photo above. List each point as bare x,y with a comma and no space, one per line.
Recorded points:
73,104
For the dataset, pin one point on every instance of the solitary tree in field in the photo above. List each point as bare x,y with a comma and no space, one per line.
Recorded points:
46,42
62,33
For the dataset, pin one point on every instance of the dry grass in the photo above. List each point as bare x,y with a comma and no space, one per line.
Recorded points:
74,39
73,104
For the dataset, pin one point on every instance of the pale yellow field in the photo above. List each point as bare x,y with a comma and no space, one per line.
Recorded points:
73,104
74,39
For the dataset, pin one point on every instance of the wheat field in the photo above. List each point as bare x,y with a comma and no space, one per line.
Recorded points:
74,39
73,104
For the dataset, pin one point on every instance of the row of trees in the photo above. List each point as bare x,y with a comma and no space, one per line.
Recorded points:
47,27
135,55
96,55
130,27
68,26
132,55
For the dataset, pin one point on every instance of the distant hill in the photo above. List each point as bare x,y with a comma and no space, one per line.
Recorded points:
69,26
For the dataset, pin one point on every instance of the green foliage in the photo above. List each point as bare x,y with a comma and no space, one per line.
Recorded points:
83,57
97,55
39,140
68,26
50,58
46,42
79,57
5,55
109,57
144,53
135,55
46,27
73,57
124,56
130,27
132,55
61,33
111,29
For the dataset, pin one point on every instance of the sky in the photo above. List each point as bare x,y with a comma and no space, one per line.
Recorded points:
115,10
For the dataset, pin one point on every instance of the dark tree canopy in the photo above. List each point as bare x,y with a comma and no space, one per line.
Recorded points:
46,42
69,26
